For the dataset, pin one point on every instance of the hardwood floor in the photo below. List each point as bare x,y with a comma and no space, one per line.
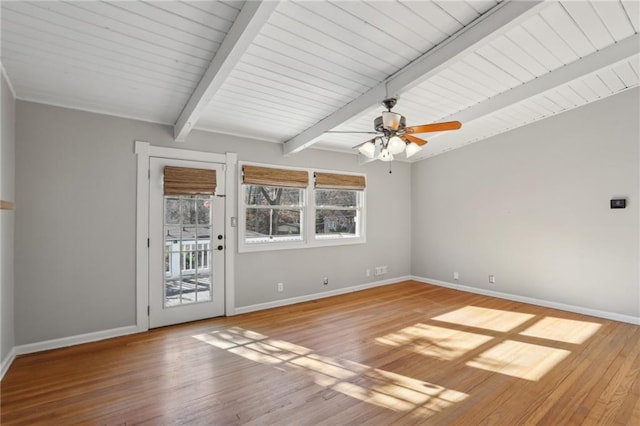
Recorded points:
407,353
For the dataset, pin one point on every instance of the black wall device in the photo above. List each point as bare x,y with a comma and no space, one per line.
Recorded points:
618,203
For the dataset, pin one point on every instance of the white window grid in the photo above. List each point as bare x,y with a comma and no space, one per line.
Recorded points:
308,237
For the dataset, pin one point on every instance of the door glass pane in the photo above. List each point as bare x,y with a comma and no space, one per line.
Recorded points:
203,210
187,254
172,211
188,210
204,285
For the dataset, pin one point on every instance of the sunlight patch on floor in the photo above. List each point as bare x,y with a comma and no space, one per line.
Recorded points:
519,359
437,342
372,385
489,319
562,330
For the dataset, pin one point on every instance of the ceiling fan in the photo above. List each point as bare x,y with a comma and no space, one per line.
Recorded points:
395,137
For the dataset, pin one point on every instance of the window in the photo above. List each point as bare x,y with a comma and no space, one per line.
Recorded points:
287,208
338,203
273,206
273,214
338,213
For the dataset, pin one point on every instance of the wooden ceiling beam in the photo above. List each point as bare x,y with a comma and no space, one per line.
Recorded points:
488,26
611,55
250,20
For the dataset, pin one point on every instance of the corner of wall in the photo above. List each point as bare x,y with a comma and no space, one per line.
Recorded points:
7,221
6,363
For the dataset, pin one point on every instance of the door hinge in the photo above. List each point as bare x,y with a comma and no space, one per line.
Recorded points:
148,243
148,173
148,310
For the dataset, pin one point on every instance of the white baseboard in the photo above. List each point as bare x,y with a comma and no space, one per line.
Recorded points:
540,302
315,296
64,342
75,340
122,331
6,363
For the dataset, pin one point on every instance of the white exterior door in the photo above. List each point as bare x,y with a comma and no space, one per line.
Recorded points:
186,249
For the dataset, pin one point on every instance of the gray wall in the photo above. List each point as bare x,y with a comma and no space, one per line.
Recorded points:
7,192
75,235
532,207
388,227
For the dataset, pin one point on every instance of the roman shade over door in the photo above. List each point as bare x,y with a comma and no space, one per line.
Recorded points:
189,181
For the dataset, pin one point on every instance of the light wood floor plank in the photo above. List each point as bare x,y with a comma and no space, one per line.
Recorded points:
408,353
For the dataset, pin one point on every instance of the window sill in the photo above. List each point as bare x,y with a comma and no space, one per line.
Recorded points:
282,245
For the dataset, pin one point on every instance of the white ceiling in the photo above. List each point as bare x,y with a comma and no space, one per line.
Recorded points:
289,71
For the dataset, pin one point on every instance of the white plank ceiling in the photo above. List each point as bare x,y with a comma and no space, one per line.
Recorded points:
306,67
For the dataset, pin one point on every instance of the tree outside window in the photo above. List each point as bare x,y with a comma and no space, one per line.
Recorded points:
272,213
337,213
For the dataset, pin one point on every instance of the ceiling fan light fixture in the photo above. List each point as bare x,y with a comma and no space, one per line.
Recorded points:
367,149
394,137
385,155
391,120
396,145
412,149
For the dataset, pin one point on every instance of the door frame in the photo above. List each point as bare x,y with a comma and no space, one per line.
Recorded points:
144,151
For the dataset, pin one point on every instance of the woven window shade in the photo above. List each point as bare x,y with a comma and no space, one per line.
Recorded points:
336,181
187,181
267,176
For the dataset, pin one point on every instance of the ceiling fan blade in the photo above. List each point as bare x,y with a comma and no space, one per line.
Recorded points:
434,127
417,141
347,131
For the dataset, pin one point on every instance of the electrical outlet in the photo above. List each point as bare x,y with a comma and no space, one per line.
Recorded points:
325,281
380,270
456,276
280,287
492,279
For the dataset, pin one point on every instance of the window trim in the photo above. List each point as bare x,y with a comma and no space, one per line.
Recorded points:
309,239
